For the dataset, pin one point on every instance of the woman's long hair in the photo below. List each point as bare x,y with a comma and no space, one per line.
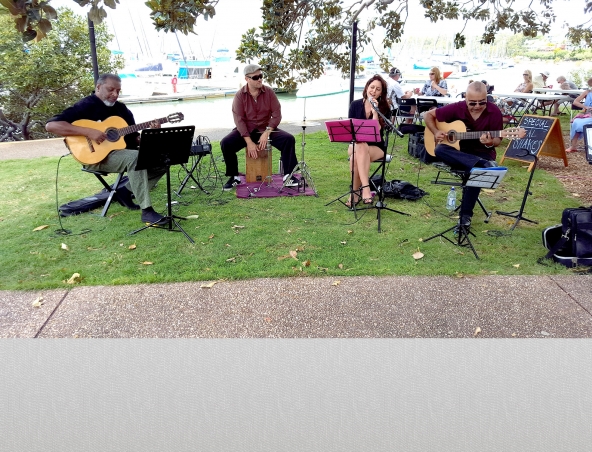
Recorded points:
383,104
437,74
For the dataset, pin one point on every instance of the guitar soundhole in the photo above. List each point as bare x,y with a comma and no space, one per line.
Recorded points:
451,137
112,134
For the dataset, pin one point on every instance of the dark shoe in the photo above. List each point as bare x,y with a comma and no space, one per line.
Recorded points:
465,220
292,182
124,197
149,216
232,182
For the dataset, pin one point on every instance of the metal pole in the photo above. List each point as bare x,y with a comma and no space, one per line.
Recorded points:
93,49
352,64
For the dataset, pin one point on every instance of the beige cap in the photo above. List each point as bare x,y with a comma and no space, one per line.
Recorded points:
250,68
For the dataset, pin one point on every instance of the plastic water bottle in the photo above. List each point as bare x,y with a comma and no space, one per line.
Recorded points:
451,200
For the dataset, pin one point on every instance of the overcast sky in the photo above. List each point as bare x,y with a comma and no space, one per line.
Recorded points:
131,24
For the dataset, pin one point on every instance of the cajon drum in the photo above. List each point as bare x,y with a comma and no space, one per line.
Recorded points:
259,169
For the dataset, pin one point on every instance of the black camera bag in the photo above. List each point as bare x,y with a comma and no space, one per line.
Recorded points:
570,243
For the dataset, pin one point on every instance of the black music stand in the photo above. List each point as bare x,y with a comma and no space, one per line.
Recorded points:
481,178
350,131
518,213
162,148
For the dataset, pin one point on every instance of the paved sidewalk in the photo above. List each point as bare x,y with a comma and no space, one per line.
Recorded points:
352,307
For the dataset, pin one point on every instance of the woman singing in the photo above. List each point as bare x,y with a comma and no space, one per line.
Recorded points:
363,152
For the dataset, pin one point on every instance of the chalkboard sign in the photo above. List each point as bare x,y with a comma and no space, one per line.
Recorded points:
543,137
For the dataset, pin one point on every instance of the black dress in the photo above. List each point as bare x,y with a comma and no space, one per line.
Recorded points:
358,111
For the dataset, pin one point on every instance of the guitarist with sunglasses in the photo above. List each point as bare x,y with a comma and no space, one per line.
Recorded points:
477,114
99,106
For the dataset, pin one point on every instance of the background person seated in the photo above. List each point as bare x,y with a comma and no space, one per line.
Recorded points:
563,84
540,81
583,101
525,87
436,85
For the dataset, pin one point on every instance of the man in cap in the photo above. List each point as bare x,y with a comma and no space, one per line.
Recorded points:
540,81
257,112
394,92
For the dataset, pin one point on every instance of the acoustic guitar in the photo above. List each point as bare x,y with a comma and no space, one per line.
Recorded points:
456,131
89,152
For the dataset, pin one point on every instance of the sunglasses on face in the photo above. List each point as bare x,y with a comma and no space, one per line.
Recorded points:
431,73
474,104
526,75
255,77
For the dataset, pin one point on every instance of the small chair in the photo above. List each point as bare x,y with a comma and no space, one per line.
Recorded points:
401,115
111,189
382,162
424,105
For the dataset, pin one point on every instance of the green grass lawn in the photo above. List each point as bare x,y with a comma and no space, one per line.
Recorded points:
253,238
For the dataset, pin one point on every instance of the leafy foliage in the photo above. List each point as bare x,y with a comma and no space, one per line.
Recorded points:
39,79
297,37
175,15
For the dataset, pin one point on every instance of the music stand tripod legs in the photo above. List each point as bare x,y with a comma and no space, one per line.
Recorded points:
518,213
169,218
477,178
462,233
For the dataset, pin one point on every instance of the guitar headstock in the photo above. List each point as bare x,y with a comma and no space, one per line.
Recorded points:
513,133
175,117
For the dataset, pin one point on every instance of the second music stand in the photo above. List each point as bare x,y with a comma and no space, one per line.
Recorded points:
481,178
162,148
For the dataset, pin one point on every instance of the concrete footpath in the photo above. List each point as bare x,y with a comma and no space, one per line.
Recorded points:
360,307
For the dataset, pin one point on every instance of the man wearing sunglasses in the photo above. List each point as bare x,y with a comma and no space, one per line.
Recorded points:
257,112
478,115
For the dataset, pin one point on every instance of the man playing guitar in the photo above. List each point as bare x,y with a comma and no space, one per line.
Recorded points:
478,115
98,107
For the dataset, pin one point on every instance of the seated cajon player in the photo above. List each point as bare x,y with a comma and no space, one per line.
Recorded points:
98,107
257,112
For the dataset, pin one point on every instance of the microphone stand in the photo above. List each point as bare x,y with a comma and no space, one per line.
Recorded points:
380,204
389,125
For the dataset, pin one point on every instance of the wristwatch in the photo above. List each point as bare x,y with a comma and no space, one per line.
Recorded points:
268,129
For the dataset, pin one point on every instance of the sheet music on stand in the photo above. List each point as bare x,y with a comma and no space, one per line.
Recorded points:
343,130
486,177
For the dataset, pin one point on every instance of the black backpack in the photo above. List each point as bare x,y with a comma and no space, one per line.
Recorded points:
570,243
401,189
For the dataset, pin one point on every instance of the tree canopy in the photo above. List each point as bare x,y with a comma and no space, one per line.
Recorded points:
298,36
40,79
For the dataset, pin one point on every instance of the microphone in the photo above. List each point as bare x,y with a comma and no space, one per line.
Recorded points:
389,124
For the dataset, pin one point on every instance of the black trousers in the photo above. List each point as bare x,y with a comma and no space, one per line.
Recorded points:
281,140
462,161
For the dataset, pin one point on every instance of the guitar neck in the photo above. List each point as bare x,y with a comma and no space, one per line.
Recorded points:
477,134
144,125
